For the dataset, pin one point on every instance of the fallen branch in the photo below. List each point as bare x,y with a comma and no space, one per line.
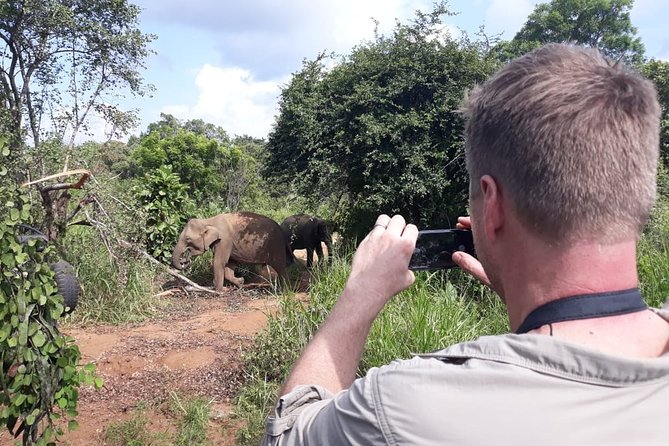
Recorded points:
166,292
85,174
169,270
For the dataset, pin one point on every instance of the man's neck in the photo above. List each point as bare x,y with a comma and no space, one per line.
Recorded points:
548,273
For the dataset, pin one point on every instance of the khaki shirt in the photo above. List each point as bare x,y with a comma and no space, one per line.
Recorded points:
499,390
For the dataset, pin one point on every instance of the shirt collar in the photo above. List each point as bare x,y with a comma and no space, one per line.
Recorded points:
565,359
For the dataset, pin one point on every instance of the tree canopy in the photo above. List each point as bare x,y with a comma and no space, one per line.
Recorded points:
201,155
602,24
64,60
382,127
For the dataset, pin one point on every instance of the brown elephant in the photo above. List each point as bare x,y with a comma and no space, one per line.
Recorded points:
241,237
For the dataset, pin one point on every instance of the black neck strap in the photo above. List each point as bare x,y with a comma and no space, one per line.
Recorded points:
585,306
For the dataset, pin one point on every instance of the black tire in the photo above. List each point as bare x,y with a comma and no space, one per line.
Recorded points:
68,284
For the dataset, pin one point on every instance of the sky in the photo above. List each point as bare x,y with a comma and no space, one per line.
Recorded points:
226,61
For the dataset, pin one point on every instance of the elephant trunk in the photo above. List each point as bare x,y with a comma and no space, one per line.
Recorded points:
178,256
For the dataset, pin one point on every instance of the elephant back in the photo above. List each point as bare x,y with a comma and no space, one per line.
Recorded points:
257,239
299,230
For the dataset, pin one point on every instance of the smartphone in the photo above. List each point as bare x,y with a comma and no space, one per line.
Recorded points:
434,248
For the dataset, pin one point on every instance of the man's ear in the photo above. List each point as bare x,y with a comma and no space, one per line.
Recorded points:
493,209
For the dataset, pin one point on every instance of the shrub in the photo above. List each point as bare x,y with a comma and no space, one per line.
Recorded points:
167,208
40,366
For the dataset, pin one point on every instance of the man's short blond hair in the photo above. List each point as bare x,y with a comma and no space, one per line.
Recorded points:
572,139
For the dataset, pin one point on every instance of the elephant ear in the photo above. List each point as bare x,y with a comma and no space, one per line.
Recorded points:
210,235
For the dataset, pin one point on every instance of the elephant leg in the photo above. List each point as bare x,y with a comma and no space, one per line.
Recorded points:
319,252
230,276
310,257
328,245
221,257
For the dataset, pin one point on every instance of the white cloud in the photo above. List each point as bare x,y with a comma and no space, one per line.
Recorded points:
507,16
231,98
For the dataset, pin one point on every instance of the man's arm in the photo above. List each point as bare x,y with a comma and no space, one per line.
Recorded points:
378,272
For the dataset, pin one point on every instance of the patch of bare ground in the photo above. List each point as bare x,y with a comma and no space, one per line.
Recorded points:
193,351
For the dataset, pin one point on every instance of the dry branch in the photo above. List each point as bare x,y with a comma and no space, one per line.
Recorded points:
85,175
169,270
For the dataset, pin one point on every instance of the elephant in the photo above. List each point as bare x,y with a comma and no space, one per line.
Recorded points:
239,237
306,232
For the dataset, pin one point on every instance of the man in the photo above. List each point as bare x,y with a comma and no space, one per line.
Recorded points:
562,149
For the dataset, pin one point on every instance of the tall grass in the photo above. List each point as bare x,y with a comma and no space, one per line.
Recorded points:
114,289
653,256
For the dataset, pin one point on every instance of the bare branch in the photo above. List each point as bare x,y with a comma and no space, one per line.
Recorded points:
169,270
85,175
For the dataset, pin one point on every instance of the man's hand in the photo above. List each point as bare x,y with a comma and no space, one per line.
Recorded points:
380,270
465,261
380,266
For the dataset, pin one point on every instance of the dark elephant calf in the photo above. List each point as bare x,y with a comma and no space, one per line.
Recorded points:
305,232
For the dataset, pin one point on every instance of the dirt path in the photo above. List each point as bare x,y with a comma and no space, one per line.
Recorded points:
194,351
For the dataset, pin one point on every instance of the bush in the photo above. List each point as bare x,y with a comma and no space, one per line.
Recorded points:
40,366
167,208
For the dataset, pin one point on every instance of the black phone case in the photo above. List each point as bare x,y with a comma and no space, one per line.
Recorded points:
434,248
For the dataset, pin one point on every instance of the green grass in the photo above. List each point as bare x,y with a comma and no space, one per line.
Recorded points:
251,406
653,256
134,432
653,267
191,421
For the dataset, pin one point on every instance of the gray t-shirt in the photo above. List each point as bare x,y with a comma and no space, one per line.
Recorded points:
500,390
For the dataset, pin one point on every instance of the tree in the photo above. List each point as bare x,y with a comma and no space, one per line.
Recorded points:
201,155
382,128
63,62
40,370
602,24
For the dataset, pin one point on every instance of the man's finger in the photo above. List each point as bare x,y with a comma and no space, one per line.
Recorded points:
471,266
396,224
464,223
381,224
410,232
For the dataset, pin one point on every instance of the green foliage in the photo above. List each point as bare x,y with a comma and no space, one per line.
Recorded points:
111,157
212,167
40,366
116,289
658,72
603,24
381,130
653,248
167,208
653,268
